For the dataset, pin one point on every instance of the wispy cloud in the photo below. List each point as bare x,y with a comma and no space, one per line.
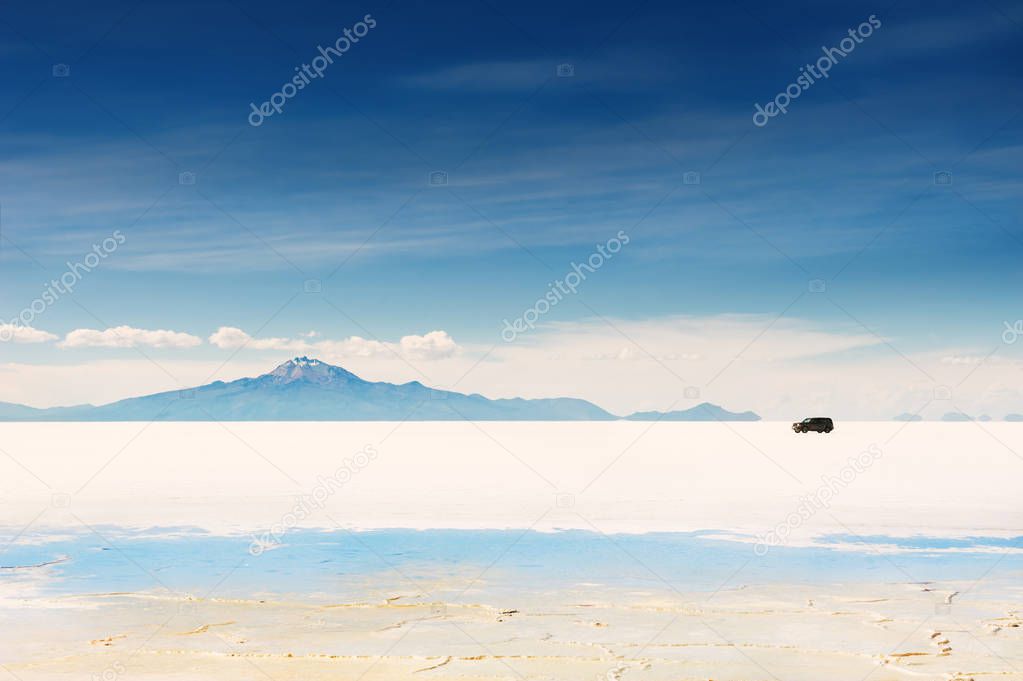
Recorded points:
619,70
932,36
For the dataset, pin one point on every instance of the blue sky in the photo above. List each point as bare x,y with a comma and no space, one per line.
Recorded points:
540,169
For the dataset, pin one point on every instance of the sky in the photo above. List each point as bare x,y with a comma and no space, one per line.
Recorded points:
519,199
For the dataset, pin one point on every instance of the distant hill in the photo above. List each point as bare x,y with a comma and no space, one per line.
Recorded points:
17,412
701,412
956,417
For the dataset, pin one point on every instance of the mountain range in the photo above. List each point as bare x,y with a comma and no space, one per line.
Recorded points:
701,412
304,389
956,417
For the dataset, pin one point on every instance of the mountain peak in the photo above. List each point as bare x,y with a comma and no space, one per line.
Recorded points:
304,361
310,370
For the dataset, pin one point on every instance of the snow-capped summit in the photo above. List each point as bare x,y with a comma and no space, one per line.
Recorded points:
310,370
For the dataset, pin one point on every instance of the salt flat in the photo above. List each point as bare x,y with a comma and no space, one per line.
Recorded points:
221,551
937,479
795,633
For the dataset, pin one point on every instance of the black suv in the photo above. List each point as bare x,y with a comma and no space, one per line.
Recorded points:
820,424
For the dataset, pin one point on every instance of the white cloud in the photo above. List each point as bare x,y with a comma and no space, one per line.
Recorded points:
434,345
229,338
430,346
232,338
128,337
15,333
353,346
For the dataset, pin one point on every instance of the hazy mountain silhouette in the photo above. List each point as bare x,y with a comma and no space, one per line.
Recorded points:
304,389
701,412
